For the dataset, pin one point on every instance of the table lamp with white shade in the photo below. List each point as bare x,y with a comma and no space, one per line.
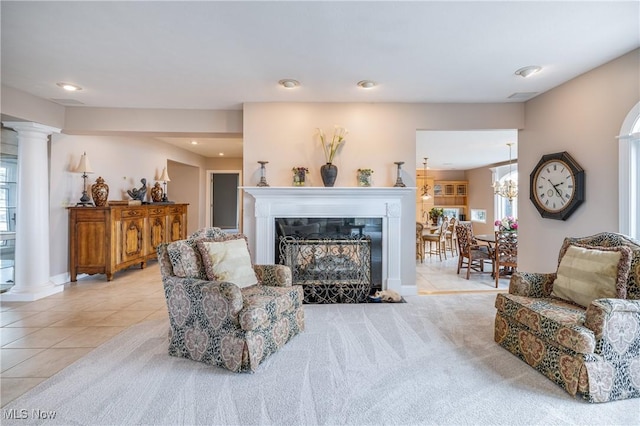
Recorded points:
165,178
84,167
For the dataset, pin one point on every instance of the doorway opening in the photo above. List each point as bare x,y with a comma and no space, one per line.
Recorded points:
462,167
224,200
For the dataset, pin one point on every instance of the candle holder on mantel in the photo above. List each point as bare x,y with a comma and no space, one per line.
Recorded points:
263,179
399,182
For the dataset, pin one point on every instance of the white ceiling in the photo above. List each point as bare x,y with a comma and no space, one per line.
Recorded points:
219,55
464,150
208,147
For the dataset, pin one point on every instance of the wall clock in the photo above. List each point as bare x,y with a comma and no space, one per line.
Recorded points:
557,186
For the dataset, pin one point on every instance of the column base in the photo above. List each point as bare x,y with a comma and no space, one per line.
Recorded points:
31,294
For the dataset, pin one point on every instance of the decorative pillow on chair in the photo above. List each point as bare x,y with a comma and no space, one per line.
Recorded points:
586,273
185,259
228,261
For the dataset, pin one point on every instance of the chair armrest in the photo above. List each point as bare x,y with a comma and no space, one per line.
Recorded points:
531,284
614,323
188,298
274,275
166,269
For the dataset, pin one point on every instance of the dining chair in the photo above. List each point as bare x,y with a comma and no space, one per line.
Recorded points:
439,239
452,237
505,251
471,255
419,243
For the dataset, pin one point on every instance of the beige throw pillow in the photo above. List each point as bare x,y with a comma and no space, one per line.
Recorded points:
589,273
228,261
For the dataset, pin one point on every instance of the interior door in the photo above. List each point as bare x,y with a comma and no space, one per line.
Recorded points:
224,204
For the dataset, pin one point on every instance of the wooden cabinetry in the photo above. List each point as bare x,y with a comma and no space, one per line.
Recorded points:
450,194
103,240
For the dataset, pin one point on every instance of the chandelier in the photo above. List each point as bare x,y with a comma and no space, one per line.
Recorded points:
509,188
425,188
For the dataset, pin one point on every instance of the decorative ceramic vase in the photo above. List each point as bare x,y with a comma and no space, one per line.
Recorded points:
329,173
100,192
156,193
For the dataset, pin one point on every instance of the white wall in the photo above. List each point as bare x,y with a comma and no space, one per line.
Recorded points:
583,117
122,162
22,105
379,134
186,187
189,122
481,197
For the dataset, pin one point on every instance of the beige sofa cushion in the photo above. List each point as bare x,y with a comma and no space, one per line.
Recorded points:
587,273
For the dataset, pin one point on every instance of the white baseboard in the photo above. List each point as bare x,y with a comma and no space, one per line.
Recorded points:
61,279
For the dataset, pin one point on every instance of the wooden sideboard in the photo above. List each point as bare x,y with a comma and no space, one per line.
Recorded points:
103,240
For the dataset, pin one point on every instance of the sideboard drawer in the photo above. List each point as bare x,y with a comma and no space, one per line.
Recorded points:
132,213
176,209
157,211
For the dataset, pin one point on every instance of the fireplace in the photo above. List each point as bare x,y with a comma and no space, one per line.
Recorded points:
385,205
336,260
331,268
333,228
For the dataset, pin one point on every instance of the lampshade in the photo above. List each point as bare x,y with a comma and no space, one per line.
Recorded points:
165,176
84,166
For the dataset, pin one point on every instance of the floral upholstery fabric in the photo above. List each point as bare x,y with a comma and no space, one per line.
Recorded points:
553,319
592,352
220,324
185,259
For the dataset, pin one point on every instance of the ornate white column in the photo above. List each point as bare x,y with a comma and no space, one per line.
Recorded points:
32,219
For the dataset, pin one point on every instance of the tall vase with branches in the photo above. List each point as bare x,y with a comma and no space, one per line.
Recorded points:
329,171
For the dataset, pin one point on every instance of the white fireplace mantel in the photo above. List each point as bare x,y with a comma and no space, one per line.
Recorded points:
321,202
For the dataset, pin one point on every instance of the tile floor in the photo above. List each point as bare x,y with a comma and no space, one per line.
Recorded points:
440,277
38,339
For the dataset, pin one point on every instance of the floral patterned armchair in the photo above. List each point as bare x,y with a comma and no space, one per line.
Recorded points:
591,351
219,323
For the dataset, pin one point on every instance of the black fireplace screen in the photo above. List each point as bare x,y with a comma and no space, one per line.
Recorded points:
331,268
335,228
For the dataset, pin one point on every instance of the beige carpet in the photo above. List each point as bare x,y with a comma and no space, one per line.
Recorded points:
429,361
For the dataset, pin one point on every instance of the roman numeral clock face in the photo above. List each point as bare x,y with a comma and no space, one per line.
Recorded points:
557,186
554,185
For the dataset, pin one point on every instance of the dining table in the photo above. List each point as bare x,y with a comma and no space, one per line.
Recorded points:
490,239
487,238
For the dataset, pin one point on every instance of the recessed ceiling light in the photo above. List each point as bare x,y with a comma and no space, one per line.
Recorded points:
527,71
221,154
367,84
194,142
69,87
289,83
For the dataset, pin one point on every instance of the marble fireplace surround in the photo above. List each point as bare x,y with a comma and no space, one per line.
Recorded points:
310,202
